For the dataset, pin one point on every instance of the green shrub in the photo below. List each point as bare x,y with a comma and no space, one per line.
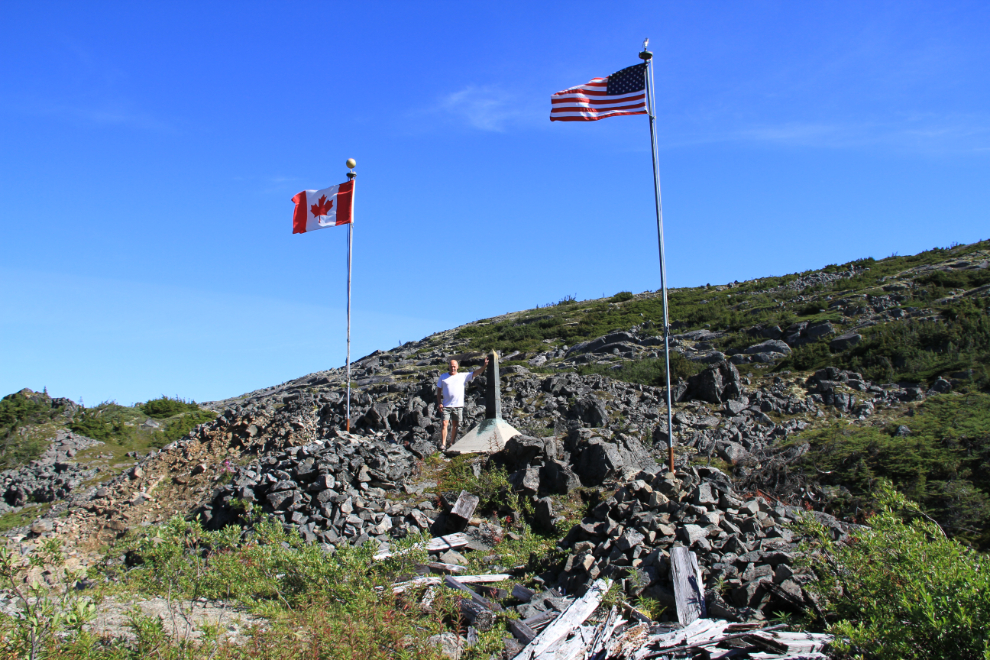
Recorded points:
18,446
901,589
164,406
105,423
943,464
807,358
621,296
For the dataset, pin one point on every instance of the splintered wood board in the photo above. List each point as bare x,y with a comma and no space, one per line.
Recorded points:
399,587
689,591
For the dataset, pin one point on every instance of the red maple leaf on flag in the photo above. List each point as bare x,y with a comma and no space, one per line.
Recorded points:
322,207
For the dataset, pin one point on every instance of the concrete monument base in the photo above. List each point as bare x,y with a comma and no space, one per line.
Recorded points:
487,437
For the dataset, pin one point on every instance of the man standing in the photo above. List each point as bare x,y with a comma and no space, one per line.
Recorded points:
450,399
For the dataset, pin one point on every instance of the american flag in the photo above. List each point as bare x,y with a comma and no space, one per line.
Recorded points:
622,93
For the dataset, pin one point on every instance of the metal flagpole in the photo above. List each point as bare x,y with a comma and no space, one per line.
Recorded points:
647,57
350,251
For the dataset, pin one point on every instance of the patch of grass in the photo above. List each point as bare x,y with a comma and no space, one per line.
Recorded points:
316,604
491,486
944,464
25,516
181,425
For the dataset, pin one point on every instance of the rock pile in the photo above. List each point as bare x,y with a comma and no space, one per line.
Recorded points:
744,547
53,476
332,491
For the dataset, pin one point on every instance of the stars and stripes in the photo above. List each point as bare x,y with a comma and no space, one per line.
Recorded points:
622,93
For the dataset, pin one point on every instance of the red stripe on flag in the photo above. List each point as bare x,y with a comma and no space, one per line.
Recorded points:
299,214
576,117
345,203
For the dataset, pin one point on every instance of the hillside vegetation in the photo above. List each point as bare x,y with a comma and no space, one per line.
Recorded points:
832,447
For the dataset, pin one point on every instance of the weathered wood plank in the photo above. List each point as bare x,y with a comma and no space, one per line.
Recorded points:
522,593
481,617
431,580
696,630
575,615
603,633
445,569
689,590
521,631
541,618
465,505
454,583
441,543
449,542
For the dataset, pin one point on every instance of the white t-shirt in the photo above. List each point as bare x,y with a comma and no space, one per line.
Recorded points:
453,388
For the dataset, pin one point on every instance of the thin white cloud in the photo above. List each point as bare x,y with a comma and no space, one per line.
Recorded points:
485,108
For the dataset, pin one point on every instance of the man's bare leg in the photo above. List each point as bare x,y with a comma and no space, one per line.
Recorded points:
453,430
443,435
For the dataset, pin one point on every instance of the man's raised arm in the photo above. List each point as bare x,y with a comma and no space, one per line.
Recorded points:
480,370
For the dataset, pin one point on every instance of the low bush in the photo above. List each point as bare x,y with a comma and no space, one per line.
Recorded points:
901,589
943,463
164,406
105,423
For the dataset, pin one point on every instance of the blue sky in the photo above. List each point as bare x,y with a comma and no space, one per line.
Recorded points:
150,151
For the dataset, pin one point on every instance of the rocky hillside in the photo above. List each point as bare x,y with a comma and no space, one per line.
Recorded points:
792,394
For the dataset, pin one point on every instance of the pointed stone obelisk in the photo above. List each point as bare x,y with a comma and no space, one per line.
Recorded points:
489,436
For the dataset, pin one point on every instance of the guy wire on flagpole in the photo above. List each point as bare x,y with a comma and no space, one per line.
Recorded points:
647,57
351,164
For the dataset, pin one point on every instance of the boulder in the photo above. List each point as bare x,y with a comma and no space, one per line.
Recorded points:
845,341
596,459
719,382
769,346
590,410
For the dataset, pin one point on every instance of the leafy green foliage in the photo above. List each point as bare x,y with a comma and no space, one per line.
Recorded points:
46,612
107,423
164,406
901,589
944,464
17,409
621,296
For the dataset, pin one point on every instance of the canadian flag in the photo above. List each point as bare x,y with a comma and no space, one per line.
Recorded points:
316,209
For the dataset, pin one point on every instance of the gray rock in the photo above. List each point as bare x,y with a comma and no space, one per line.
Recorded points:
733,452
545,513
769,346
450,645
845,341
453,557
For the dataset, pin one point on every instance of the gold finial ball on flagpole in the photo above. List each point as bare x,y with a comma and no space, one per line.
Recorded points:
351,163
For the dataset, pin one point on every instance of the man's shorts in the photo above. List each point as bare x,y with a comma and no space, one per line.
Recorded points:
456,413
